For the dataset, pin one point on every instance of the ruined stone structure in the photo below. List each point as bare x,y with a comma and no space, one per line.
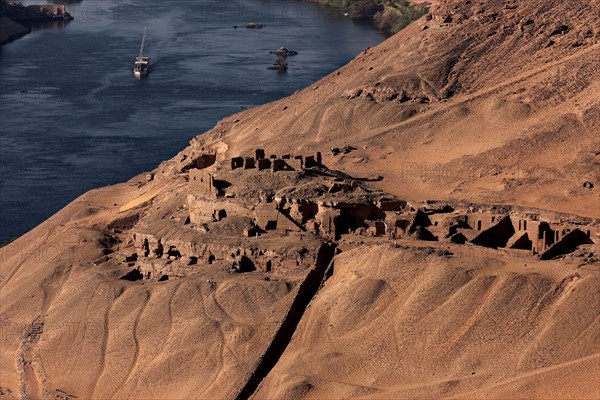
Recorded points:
202,183
207,158
178,256
279,222
237,162
530,232
286,162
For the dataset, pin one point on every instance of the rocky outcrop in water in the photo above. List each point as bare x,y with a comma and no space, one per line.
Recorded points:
279,65
253,25
284,52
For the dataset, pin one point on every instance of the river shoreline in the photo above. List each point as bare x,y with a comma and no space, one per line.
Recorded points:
17,19
386,17
11,30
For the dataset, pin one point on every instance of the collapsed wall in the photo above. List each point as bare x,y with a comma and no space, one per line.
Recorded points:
177,257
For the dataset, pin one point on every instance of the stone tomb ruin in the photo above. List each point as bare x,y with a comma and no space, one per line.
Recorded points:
279,222
518,231
286,162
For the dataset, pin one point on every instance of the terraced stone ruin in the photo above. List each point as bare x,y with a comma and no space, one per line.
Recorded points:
274,214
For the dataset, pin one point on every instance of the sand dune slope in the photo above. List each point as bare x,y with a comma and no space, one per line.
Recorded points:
397,323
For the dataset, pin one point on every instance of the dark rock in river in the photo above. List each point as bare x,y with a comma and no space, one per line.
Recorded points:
279,65
284,52
253,25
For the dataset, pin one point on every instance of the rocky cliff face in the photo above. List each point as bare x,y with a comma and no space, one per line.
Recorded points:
421,223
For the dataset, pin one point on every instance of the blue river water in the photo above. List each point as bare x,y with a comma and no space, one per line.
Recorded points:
73,117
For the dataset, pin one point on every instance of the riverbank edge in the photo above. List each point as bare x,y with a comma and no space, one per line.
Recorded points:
388,20
11,30
386,16
17,19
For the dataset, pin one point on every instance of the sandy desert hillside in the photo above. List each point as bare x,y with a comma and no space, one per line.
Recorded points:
423,223
390,319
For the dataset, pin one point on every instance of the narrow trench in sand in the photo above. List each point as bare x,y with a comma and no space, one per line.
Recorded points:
307,291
